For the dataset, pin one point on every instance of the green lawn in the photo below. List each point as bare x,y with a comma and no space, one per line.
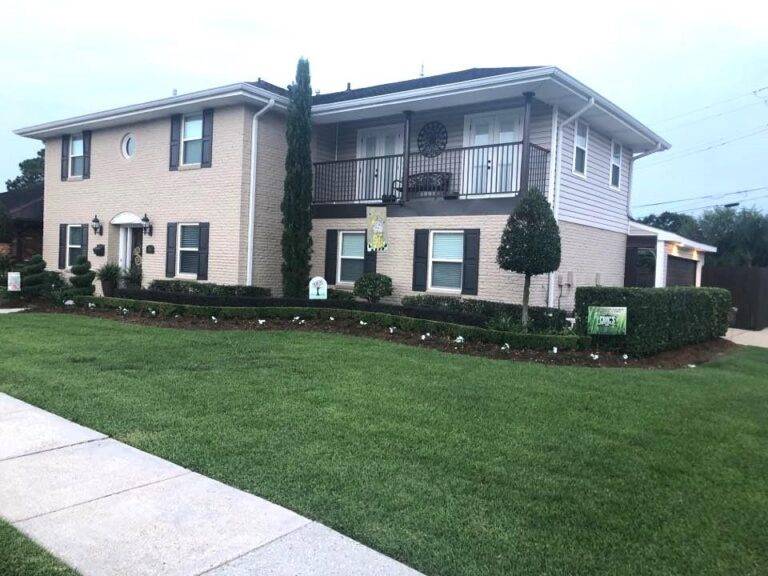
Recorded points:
20,556
455,465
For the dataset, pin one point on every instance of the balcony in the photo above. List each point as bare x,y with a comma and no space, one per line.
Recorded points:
469,172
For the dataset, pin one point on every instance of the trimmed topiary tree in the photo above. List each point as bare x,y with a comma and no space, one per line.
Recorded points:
373,287
297,189
82,278
530,243
36,281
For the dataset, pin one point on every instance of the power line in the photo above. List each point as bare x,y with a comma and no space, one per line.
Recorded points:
719,205
712,146
704,197
717,115
713,105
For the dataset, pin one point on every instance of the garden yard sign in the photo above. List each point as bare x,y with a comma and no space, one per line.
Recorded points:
607,320
318,288
14,281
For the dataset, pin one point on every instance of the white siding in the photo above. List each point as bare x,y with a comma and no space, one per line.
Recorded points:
591,201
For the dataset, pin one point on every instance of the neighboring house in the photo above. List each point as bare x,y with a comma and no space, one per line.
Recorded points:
659,258
25,208
193,183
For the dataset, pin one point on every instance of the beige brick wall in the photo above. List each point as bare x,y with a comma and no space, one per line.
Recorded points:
586,252
397,262
593,256
144,184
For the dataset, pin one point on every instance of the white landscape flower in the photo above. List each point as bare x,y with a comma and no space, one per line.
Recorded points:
91,305
423,337
69,303
125,311
624,357
331,318
554,349
296,318
362,323
505,347
214,319
153,312
691,365
261,321
391,329
302,321
459,339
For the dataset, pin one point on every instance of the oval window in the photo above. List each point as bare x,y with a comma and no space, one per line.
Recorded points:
128,145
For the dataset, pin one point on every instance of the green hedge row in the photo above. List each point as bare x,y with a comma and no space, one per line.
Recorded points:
541,319
405,323
658,319
208,289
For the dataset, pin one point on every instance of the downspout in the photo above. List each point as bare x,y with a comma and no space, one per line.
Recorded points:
252,189
556,183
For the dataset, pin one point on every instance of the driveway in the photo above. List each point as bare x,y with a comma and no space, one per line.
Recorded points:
757,338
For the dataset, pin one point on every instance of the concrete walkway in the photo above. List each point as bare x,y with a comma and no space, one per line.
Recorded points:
105,508
11,310
748,337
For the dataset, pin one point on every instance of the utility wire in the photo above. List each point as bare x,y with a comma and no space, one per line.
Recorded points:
718,205
712,146
705,197
717,115
713,105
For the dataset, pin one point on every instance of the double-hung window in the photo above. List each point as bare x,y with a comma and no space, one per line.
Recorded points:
74,243
192,139
615,165
188,257
446,260
76,156
580,145
351,256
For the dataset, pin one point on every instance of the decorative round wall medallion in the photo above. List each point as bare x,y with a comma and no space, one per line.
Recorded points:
432,139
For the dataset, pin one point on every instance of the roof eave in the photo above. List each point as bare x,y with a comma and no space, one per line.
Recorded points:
242,92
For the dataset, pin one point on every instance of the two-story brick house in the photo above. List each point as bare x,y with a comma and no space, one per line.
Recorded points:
192,184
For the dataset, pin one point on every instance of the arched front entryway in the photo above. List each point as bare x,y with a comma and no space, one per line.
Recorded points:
131,238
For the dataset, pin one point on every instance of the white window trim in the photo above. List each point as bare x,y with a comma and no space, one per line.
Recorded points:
442,289
340,243
185,140
179,250
613,163
69,227
72,139
124,145
576,125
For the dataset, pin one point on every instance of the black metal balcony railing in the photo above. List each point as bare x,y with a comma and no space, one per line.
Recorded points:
472,172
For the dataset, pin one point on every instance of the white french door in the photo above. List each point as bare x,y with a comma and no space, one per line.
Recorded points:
380,150
124,254
490,168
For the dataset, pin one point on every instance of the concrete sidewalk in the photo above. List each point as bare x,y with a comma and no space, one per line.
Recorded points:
748,337
105,508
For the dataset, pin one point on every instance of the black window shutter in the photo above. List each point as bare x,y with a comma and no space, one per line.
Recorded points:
420,260
202,251
86,154
62,246
470,274
175,142
369,262
207,138
85,241
64,157
170,251
331,249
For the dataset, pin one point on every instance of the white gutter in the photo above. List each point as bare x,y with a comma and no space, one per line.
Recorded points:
558,145
252,189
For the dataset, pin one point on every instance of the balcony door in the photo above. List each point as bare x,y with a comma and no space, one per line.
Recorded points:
492,162
380,163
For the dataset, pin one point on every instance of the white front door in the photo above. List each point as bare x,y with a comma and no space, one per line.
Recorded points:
381,149
126,241
489,167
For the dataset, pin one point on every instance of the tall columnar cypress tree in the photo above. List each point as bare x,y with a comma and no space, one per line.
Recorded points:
297,189
530,243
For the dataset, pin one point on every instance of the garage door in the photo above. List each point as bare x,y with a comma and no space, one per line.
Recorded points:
681,271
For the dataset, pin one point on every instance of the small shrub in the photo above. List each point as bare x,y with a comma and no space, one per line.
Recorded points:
208,289
81,279
109,275
506,323
658,319
340,295
373,287
540,319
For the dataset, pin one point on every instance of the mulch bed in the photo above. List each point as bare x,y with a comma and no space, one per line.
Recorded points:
686,357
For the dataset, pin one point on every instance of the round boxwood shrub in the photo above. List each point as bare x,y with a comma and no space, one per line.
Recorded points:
373,287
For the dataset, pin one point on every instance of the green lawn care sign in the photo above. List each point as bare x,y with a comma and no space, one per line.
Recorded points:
609,320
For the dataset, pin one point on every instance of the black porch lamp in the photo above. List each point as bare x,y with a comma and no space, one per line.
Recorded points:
146,225
96,225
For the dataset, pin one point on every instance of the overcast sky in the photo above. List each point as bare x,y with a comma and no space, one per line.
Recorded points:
686,71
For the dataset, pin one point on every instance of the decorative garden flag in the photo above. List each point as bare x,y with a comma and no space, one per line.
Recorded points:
14,281
376,217
318,288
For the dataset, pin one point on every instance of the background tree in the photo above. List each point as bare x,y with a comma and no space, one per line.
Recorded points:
683,224
31,173
6,225
297,189
530,243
